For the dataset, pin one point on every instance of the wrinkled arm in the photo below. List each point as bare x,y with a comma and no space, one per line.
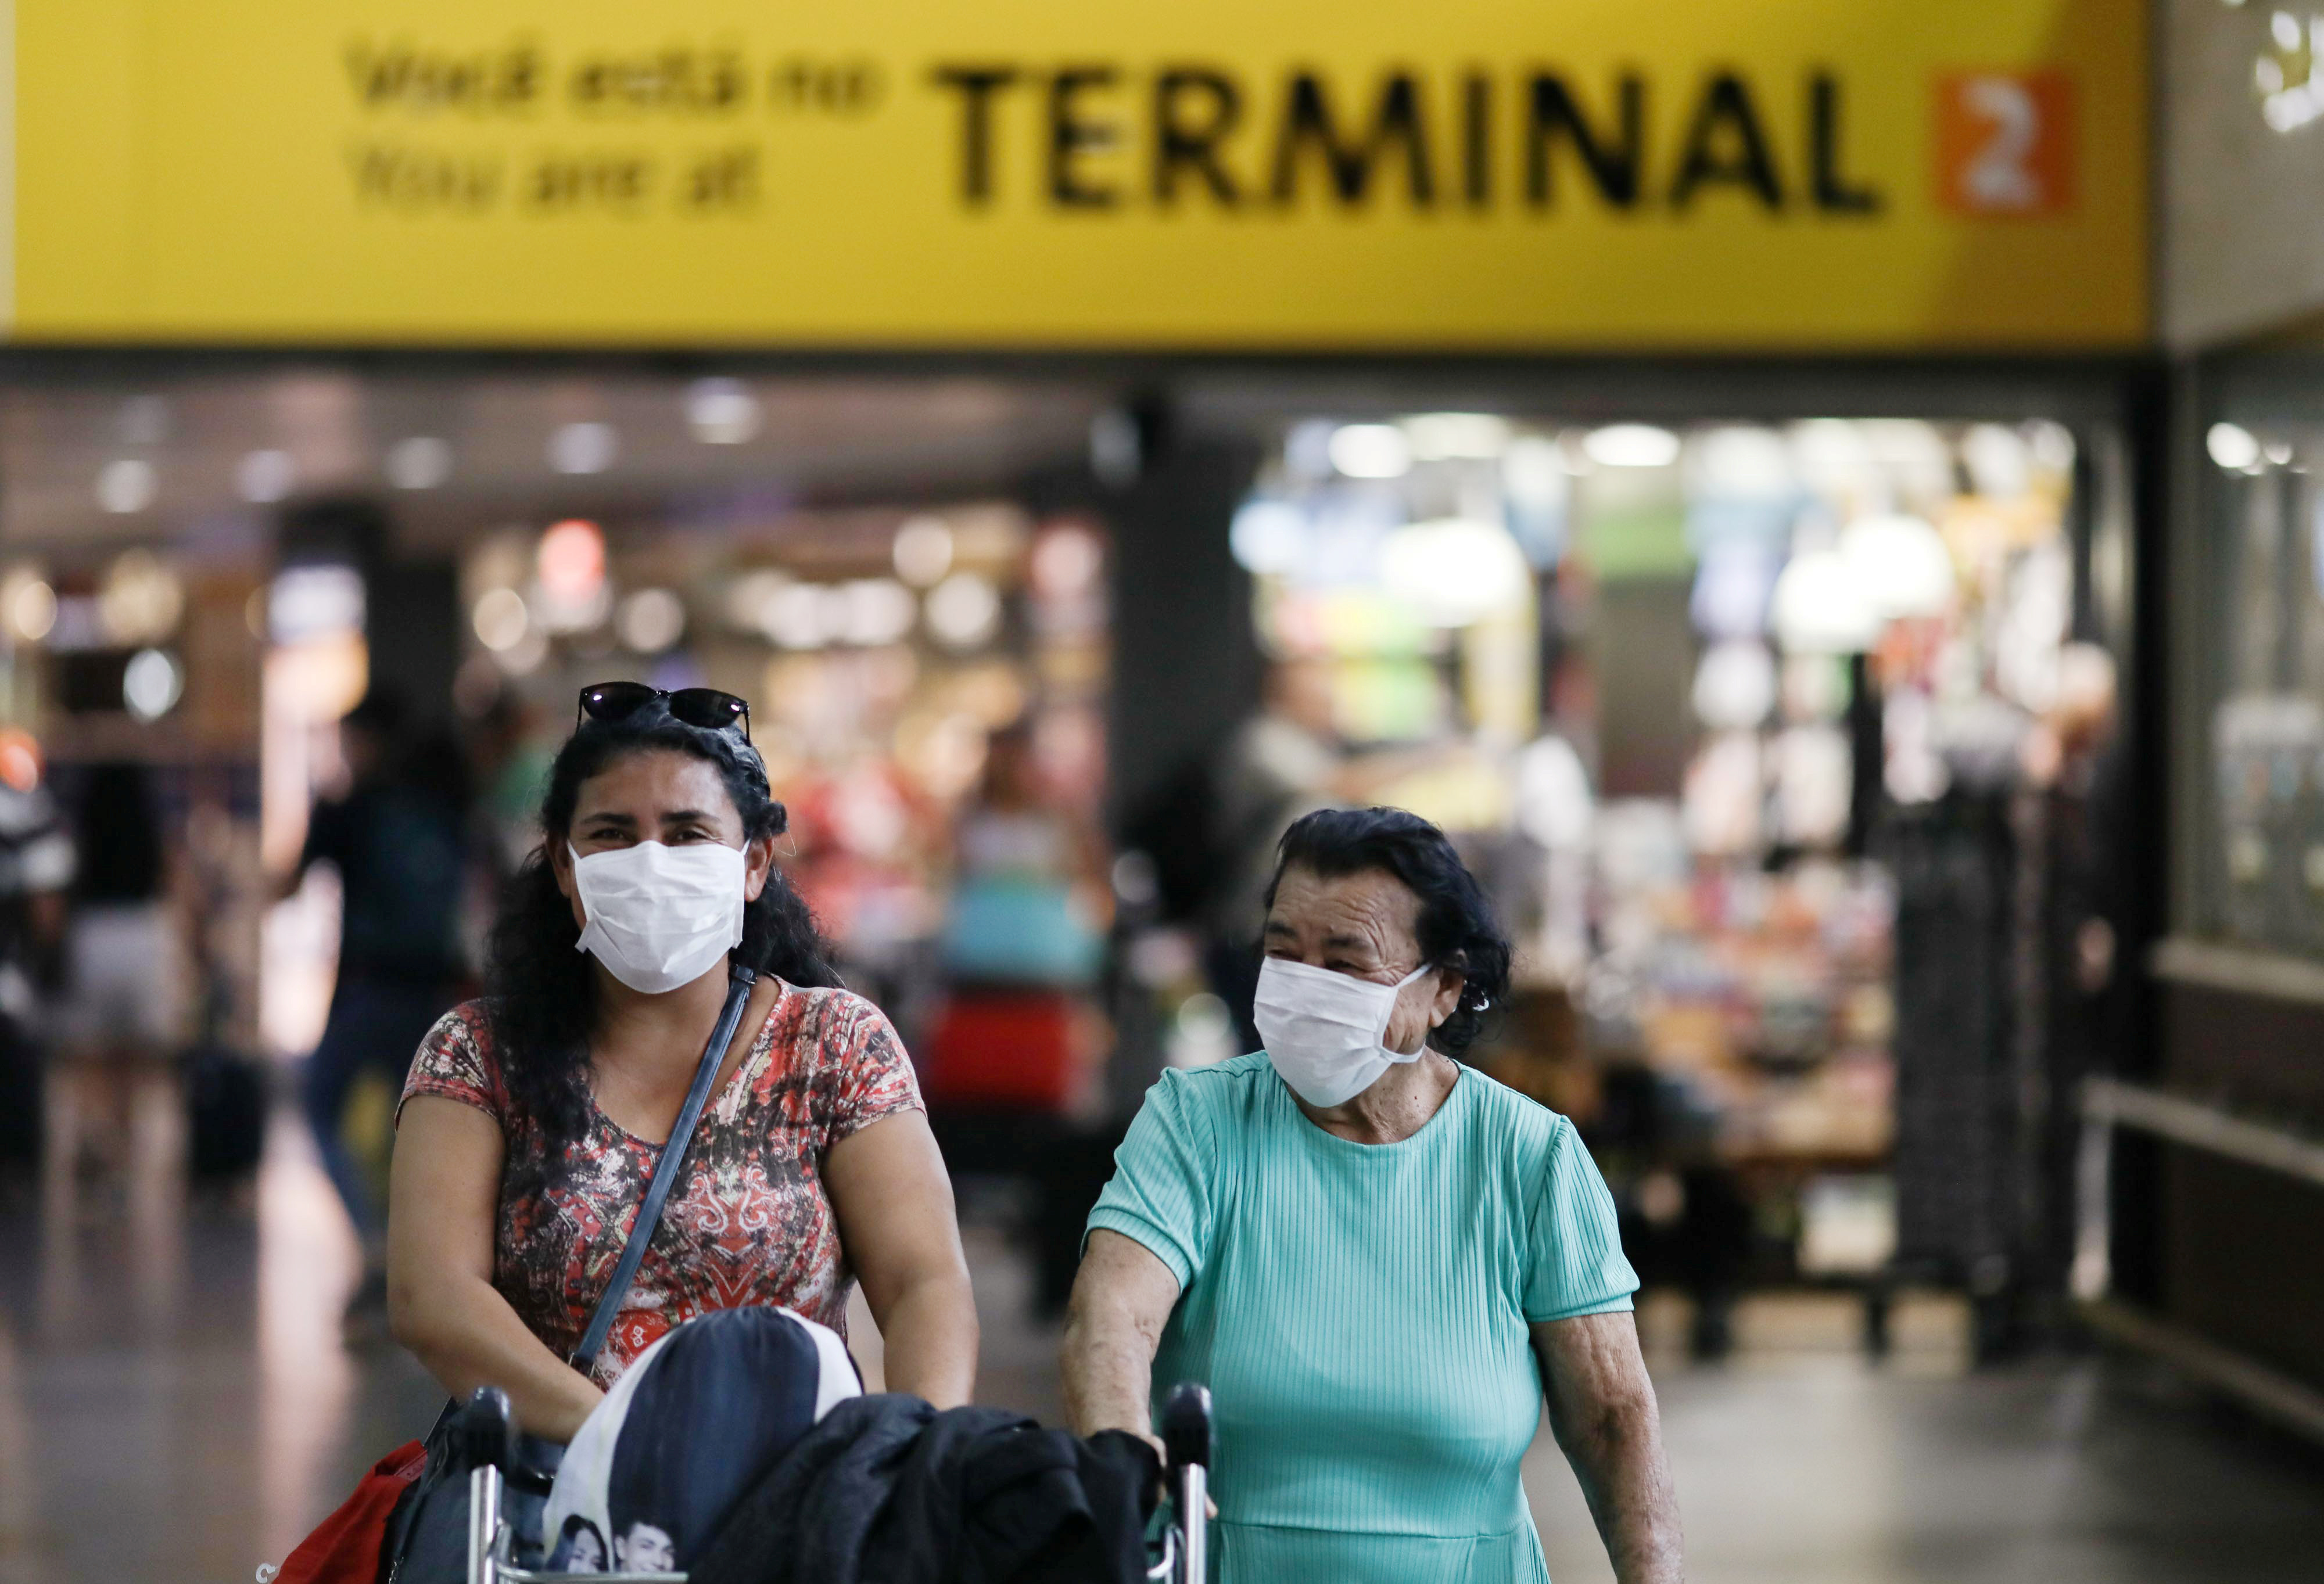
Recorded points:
893,1197
443,1196
1122,1297
1601,1409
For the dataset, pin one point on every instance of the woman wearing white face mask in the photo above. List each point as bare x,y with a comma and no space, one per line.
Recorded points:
1379,1260
533,1119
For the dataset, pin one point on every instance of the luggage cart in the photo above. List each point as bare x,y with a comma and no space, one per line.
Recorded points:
483,1441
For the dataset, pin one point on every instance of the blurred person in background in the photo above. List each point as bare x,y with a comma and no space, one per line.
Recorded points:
2075,761
37,861
1025,921
510,762
1284,761
1287,760
122,1009
398,839
1379,1259
533,1120
1016,1053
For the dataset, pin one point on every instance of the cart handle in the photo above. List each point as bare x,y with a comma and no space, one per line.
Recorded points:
1186,1437
1187,1442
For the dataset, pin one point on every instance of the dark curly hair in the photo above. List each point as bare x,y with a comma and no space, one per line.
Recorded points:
1457,928
541,993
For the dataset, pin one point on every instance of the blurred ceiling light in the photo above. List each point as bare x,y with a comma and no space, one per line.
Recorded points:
1065,562
500,618
572,561
1741,462
1916,463
2232,445
151,684
418,462
875,610
1441,437
721,412
2000,465
28,604
126,485
2278,451
1268,537
1734,686
799,615
1371,450
1631,444
1455,570
923,551
1901,564
1534,473
944,751
314,601
963,611
1820,609
650,621
1307,449
1832,457
144,420
265,477
582,447
141,600
751,597
2051,443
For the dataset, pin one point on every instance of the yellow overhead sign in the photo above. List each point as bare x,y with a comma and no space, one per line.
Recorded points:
1300,174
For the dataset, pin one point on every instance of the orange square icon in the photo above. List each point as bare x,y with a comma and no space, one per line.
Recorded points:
2004,142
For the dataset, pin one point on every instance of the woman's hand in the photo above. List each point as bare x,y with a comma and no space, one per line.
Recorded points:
443,1196
902,1234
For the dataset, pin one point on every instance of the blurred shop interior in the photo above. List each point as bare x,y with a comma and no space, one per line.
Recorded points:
1790,745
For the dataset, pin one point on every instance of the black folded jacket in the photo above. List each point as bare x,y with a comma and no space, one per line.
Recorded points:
887,1490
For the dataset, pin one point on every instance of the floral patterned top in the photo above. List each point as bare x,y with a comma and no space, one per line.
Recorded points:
747,1221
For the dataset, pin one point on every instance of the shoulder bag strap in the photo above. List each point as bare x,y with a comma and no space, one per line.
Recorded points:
673,1155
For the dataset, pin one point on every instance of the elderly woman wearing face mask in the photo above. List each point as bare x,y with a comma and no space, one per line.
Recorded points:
533,1119
1381,1261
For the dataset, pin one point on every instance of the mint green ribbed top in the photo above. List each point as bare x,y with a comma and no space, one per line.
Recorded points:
1360,1314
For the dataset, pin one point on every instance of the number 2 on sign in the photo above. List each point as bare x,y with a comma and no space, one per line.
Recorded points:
2004,142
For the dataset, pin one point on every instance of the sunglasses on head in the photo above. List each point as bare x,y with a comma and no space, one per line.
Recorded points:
704,708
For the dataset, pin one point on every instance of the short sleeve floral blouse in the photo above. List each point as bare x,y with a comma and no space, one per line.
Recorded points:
748,1221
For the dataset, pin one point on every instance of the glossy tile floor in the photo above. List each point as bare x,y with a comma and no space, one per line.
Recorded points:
177,1405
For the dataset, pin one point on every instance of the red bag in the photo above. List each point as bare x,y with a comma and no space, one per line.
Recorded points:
345,1548
1012,1049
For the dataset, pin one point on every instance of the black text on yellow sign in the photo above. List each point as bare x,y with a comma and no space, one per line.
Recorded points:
1290,173
1108,136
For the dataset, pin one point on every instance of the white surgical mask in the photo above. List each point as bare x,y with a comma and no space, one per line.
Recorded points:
1323,1030
660,916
